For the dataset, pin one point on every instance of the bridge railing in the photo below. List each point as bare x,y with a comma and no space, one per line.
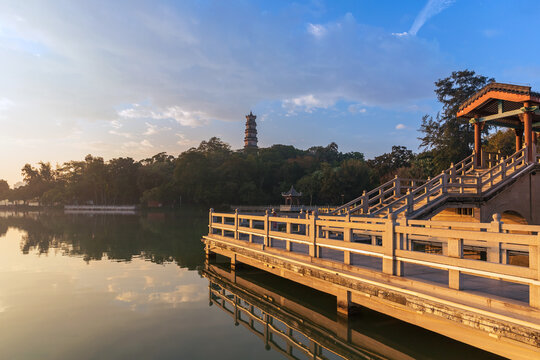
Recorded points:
396,187
392,241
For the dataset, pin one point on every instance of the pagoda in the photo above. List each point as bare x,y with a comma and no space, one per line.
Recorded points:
250,141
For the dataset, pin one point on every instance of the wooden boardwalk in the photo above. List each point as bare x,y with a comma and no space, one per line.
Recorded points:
422,272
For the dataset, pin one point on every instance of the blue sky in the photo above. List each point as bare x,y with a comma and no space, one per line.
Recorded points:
134,78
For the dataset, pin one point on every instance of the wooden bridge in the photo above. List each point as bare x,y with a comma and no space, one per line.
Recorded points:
478,283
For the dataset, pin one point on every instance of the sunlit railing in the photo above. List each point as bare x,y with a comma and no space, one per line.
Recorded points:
390,240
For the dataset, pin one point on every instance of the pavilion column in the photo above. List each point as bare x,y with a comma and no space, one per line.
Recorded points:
527,124
519,139
478,143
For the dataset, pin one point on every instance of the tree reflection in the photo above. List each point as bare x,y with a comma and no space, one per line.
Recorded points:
157,237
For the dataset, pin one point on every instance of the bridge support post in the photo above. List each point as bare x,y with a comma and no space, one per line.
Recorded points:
455,249
209,254
343,298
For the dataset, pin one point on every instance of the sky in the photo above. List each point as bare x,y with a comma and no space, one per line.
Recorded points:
134,78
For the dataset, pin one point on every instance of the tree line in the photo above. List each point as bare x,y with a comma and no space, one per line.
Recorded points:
214,174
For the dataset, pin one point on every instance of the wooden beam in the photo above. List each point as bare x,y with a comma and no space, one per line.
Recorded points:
502,115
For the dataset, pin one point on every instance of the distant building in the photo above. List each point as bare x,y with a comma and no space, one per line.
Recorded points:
250,141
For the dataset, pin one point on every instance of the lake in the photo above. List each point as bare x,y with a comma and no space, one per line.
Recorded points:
137,286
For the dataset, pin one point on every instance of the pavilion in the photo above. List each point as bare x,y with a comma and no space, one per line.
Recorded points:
504,105
292,197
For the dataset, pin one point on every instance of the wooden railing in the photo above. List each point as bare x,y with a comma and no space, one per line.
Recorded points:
396,187
456,181
391,240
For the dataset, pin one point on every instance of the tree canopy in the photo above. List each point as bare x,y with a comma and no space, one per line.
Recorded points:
449,138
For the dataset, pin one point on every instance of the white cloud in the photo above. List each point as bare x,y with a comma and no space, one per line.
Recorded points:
405,33
184,141
150,129
193,64
316,30
401,127
120,133
116,124
356,109
183,117
307,103
432,8
146,143
186,118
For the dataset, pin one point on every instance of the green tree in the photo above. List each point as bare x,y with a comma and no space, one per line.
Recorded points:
451,139
4,189
503,141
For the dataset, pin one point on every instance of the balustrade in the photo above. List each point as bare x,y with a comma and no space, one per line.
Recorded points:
309,234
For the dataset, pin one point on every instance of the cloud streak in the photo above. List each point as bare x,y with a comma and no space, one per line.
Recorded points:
432,8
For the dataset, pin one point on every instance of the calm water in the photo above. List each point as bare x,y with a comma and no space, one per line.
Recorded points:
137,286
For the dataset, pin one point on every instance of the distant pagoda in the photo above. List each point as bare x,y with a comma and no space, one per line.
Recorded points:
250,141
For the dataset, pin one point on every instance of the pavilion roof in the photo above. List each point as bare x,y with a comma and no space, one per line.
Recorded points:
502,105
291,192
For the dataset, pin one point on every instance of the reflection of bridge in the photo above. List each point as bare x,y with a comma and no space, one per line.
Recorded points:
300,323
286,326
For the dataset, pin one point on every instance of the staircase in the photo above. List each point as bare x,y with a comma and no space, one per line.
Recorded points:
412,198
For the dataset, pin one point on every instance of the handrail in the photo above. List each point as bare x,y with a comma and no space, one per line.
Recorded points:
380,191
316,233
456,179
361,197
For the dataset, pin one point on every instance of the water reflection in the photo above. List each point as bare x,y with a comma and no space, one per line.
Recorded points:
301,323
141,300
157,237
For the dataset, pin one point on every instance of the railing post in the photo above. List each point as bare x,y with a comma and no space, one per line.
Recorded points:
210,220
455,250
410,199
251,227
365,203
397,187
534,264
493,250
479,184
236,224
389,247
347,238
313,234
503,168
452,171
428,189
266,240
288,231
444,181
